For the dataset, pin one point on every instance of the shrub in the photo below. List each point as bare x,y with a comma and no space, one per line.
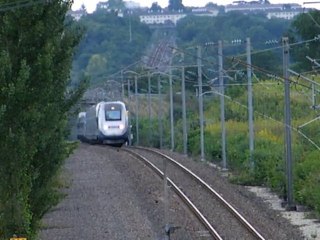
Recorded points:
307,181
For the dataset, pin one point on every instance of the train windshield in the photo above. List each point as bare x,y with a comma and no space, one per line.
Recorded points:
113,115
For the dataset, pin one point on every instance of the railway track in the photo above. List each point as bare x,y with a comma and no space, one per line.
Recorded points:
220,218
161,54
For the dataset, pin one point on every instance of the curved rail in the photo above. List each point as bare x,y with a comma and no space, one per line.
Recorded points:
231,209
187,201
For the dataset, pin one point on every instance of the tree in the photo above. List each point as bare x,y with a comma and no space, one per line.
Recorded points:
96,65
155,7
116,5
34,105
211,5
109,37
175,5
305,27
193,30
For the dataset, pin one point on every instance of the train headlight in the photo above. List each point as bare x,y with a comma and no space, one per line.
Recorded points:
121,126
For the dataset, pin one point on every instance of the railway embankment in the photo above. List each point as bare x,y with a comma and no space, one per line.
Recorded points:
110,195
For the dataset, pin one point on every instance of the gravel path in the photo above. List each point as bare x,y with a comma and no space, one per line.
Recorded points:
112,196
95,203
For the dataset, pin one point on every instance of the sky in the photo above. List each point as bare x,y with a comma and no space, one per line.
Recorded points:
91,4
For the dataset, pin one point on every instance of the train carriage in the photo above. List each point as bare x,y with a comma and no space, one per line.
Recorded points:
107,123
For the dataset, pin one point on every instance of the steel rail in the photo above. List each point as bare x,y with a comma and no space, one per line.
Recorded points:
231,209
183,197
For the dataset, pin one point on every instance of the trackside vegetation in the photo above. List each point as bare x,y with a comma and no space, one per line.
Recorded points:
268,167
36,51
268,157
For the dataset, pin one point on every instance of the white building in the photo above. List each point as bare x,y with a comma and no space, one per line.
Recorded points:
210,12
261,7
161,17
286,11
284,14
131,4
77,14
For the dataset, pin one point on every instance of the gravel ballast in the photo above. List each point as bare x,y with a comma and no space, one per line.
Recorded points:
96,207
268,221
110,195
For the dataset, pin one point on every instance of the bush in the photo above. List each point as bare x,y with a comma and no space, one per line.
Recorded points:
269,165
307,181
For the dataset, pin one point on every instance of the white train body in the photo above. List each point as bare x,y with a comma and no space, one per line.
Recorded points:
81,126
106,122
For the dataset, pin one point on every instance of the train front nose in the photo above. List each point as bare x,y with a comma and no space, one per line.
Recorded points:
112,129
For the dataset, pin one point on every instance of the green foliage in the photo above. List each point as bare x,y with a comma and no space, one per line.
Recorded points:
268,157
15,177
106,47
115,5
175,5
96,65
148,131
305,27
34,105
266,165
15,184
240,26
193,30
307,181
155,7
269,167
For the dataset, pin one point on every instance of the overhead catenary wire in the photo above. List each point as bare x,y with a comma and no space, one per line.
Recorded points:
316,38
259,69
268,117
238,61
312,18
21,4
275,76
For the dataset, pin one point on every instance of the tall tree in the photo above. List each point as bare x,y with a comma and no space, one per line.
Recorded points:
175,5
36,50
155,7
108,36
306,26
116,5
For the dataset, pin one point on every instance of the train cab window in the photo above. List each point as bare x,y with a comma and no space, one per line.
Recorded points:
113,115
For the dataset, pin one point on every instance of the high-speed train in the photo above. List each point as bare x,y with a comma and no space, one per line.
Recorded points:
106,123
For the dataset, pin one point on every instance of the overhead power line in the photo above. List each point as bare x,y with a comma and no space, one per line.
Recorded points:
312,2
236,59
20,4
270,118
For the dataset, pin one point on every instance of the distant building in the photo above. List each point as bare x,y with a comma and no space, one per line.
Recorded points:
127,4
286,11
285,14
211,12
104,6
131,4
162,17
77,14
